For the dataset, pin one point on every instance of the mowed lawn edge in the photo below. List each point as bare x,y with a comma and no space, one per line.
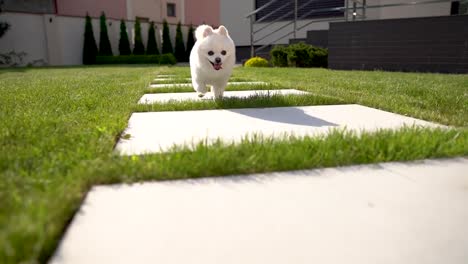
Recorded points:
61,125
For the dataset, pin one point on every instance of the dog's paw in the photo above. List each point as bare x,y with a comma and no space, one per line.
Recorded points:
200,95
218,97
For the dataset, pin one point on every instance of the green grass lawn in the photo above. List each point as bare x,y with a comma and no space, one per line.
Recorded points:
59,127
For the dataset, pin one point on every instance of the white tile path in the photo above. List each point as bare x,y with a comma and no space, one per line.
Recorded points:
166,76
166,85
393,213
154,132
168,79
382,213
166,97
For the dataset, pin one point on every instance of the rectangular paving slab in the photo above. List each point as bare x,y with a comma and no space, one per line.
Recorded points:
166,85
153,132
167,79
166,97
393,213
166,76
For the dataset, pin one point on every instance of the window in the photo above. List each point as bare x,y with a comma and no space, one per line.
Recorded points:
459,7
171,10
29,6
306,9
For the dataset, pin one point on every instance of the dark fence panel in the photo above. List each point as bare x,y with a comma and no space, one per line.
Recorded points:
430,44
318,38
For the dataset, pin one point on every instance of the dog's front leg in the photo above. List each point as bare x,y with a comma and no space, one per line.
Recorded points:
199,87
218,91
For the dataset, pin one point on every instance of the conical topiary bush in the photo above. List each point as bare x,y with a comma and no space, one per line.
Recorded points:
89,47
124,44
179,44
190,42
167,44
104,43
138,49
152,46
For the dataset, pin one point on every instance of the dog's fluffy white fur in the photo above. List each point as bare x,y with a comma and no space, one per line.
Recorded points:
211,60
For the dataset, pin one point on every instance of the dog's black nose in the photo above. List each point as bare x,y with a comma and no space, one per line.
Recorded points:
218,60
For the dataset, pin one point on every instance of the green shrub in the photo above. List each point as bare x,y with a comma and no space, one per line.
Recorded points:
190,42
124,44
167,44
104,43
299,55
279,56
168,58
152,46
89,48
256,62
179,44
137,59
138,49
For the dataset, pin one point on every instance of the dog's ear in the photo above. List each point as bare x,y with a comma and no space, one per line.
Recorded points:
208,31
223,31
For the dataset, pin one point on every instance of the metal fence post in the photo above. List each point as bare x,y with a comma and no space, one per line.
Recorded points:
252,49
295,17
354,11
364,4
346,10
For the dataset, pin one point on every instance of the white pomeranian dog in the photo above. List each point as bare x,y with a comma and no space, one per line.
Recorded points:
211,60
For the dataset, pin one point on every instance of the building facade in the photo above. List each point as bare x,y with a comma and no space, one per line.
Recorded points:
51,32
233,16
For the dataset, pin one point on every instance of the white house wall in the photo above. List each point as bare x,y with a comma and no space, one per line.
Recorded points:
27,34
58,40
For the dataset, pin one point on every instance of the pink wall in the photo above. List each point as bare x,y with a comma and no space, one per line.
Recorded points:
202,11
113,8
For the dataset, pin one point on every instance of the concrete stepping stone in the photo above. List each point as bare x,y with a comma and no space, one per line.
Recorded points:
153,132
166,97
168,76
401,213
167,79
166,85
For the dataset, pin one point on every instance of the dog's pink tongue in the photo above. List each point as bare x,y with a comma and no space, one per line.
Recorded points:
217,66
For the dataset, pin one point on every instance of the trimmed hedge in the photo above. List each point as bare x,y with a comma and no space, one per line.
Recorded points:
124,44
104,43
89,48
256,62
139,48
152,46
137,59
299,55
166,39
179,44
190,42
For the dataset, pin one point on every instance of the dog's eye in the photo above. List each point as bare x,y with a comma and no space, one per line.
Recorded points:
211,53
223,52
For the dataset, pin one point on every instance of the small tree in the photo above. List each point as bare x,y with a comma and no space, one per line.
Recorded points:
104,43
179,44
152,46
89,47
124,44
167,44
190,42
138,49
